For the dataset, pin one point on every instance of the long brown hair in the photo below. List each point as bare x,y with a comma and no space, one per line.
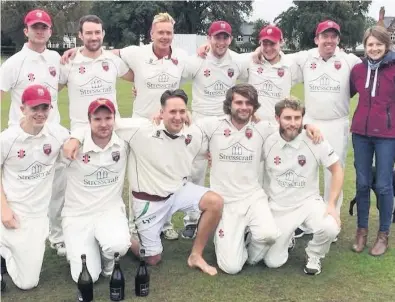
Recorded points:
246,90
380,33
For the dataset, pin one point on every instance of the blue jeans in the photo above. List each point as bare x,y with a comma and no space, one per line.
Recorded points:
384,150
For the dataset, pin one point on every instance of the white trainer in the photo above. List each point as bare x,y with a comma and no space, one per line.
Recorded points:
60,248
313,265
170,234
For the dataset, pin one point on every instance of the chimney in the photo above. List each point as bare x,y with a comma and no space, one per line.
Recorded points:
381,17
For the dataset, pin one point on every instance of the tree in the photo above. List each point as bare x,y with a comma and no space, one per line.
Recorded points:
369,22
258,25
129,22
299,22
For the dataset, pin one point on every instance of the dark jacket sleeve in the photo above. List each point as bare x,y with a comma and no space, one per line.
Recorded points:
353,90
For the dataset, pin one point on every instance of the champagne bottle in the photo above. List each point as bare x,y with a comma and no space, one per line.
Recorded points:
85,283
142,277
117,282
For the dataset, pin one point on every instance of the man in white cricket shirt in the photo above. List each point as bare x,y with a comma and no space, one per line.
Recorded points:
35,64
28,154
92,73
326,72
211,78
236,147
292,163
160,185
94,216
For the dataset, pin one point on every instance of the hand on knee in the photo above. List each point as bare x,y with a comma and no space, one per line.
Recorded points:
153,260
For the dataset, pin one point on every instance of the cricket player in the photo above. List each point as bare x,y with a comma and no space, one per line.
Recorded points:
94,216
163,157
326,76
292,163
35,64
211,78
92,72
29,151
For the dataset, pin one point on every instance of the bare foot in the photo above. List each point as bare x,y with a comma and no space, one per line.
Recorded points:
196,261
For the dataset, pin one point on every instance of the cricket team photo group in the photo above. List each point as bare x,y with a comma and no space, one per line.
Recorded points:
178,151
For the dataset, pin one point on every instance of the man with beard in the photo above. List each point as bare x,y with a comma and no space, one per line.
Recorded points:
161,187
35,64
94,219
93,71
292,164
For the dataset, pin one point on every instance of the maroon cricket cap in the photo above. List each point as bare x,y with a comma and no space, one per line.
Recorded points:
218,27
35,95
325,25
38,16
101,103
271,33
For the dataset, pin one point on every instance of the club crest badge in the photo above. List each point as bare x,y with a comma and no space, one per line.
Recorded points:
280,72
302,160
105,66
248,133
47,148
188,139
52,71
231,72
116,156
227,132
338,65
175,61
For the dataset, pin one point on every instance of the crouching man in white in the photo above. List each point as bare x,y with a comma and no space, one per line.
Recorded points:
163,157
236,147
29,151
94,218
292,162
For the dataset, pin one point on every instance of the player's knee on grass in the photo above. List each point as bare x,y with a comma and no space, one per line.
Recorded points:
229,267
26,281
275,261
211,201
266,235
120,247
153,260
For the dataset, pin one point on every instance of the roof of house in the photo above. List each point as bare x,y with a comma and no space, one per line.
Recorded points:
388,21
247,29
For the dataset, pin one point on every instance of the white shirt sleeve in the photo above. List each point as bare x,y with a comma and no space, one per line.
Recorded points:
130,55
79,133
192,66
8,74
353,60
126,128
122,68
298,58
64,73
242,60
327,154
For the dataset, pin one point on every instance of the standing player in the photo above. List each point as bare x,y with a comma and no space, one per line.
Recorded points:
161,187
326,75
92,72
35,64
94,219
28,154
292,163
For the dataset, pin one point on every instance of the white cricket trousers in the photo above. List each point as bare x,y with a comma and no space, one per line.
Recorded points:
56,205
97,235
249,215
336,132
23,250
310,214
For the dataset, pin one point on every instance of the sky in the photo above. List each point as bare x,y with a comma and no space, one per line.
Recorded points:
270,9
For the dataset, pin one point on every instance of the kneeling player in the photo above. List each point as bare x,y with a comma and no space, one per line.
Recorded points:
28,155
292,164
94,217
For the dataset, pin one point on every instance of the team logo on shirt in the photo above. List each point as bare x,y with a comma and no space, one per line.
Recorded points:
162,80
290,179
313,66
188,139
277,160
35,171
280,72
116,156
216,89
221,233
101,177
302,160
31,77
324,83
174,60
105,66
21,153
236,153
268,89
52,71
248,133
231,72
86,158
260,70
227,132
207,73
81,70
338,65
47,148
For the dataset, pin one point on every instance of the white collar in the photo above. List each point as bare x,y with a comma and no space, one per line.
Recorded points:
89,145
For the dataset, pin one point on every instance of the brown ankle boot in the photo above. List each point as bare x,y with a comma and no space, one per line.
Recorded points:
360,240
381,244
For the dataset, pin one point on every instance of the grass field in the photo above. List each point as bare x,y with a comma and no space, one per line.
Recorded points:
345,277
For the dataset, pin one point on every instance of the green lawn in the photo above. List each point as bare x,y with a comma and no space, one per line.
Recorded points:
345,277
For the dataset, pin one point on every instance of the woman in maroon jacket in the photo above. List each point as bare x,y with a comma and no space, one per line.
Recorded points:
373,133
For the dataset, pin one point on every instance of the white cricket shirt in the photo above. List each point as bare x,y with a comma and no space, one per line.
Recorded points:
28,165
89,79
293,167
326,83
152,76
95,179
25,68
